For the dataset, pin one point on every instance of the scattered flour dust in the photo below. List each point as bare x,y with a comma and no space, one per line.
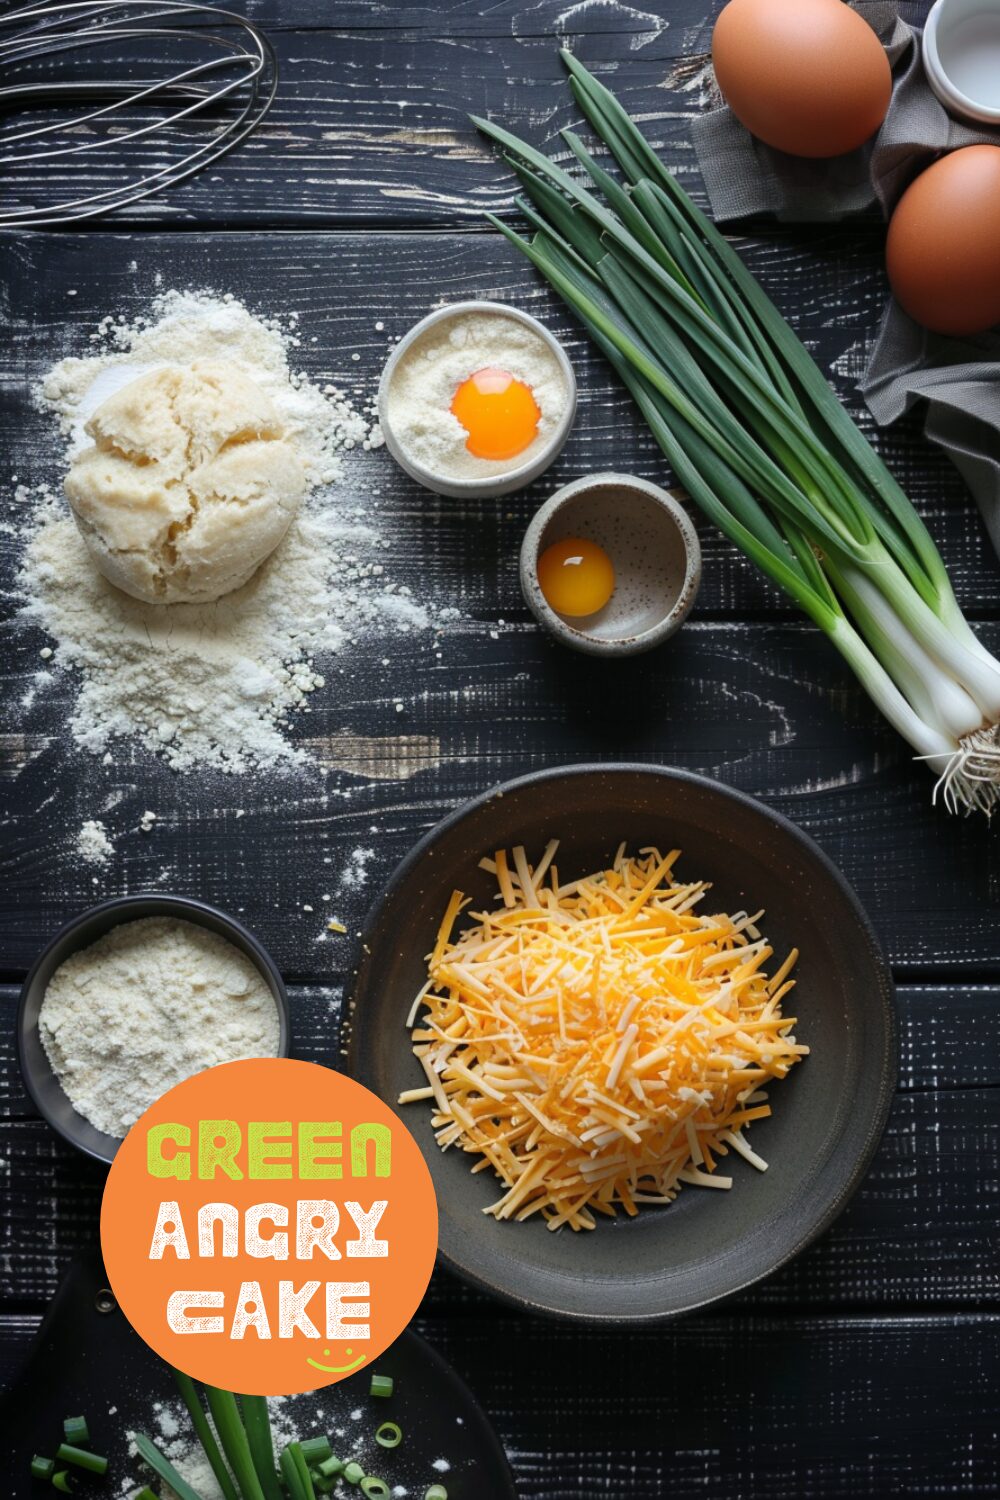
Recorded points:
92,843
208,684
355,872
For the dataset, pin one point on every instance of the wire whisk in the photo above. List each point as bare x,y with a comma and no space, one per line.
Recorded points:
215,78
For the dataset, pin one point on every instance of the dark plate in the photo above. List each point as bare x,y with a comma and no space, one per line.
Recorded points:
828,1116
85,1361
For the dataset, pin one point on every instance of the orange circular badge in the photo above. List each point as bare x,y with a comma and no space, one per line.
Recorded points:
269,1227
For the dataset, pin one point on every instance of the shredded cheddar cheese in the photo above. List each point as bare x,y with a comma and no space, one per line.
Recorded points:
599,1044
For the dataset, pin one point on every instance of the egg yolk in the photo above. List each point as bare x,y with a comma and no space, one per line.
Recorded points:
577,577
499,413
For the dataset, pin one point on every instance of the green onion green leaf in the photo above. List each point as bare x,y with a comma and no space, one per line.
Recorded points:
757,437
257,1425
200,1422
232,1436
164,1468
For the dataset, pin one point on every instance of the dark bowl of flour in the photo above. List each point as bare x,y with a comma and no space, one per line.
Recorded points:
133,996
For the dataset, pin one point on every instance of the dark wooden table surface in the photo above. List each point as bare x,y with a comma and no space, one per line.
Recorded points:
865,1367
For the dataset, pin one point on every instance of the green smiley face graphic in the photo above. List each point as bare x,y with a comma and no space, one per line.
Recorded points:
337,1369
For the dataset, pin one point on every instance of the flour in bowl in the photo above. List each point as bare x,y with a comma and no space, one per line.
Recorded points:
144,1007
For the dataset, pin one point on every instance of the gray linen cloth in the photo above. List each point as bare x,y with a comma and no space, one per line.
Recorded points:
959,379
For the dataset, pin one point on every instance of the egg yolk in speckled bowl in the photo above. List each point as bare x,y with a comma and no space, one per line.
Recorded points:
576,576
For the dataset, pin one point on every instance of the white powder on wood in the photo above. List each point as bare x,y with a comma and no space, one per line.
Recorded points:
149,1004
199,684
355,872
423,386
92,843
211,684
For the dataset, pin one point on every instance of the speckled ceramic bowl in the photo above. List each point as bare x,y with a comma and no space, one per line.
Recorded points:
653,546
490,485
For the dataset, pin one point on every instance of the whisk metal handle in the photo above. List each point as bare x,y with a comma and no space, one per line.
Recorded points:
90,90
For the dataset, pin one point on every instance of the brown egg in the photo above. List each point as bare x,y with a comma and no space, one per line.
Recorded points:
807,76
943,249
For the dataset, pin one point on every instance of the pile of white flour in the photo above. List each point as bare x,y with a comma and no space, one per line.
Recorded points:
146,1006
210,684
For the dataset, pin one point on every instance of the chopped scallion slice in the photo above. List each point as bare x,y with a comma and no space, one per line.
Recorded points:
82,1458
331,1467
381,1385
314,1450
353,1473
436,1492
389,1435
76,1431
42,1468
373,1488
62,1481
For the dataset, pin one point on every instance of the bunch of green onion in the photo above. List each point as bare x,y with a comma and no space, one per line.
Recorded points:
756,436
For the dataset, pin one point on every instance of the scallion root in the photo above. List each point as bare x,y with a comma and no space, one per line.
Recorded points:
970,782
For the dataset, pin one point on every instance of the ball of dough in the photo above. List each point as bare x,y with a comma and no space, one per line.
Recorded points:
189,486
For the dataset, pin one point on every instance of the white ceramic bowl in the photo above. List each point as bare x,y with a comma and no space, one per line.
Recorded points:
961,52
653,547
491,484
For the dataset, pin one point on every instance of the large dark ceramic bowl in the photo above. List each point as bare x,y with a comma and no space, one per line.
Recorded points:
828,1116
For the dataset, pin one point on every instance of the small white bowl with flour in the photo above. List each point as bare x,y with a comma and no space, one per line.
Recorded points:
423,373
130,998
